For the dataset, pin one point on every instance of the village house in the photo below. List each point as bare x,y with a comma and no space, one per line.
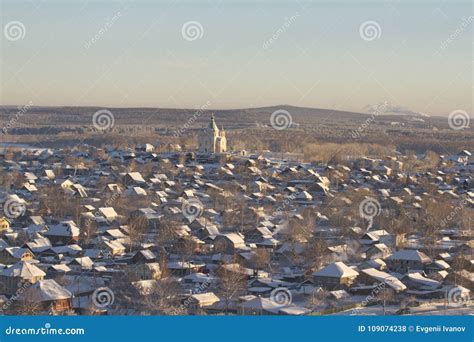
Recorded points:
49,295
229,243
12,277
64,233
372,276
266,222
335,275
11,255
4,224
406,260
200,301
134,179
144,256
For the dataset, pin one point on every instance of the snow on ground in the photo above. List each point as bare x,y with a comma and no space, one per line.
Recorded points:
428,309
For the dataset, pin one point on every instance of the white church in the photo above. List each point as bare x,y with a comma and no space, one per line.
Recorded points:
211,139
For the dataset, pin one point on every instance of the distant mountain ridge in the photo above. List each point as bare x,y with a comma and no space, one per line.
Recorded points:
173,117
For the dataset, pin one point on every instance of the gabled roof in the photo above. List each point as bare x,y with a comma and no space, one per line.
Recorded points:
418,278
108,212
136,176
205,299
336,270
65,228
386,278
260,303
235,238
16,252
410,254
84,262
46,290
147,254
136,191
24,270
39,244
115,233
114,245
211,229
60,268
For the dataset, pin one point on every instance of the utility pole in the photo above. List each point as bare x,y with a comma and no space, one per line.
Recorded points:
384,291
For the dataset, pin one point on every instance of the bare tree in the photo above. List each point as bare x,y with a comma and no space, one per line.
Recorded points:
316,253
138,226
167,233
186,248
261,259
434,214
232,283
386,295
163,298
88,230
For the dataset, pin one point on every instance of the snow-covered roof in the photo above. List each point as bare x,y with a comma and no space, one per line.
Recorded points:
423,281
207,298
386,278
336,270
136,176
108,212
46,290
65,228
24,270
410,254
235,238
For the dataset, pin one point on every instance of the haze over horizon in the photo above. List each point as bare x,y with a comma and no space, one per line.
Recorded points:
366,111
246,55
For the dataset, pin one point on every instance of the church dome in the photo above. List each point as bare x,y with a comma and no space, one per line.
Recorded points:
213,124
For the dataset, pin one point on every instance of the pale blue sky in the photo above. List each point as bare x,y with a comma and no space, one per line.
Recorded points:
318,59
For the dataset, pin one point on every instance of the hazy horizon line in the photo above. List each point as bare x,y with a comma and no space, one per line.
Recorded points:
223,109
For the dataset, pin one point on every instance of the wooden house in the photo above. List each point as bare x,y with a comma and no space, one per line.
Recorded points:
49,295
335,275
